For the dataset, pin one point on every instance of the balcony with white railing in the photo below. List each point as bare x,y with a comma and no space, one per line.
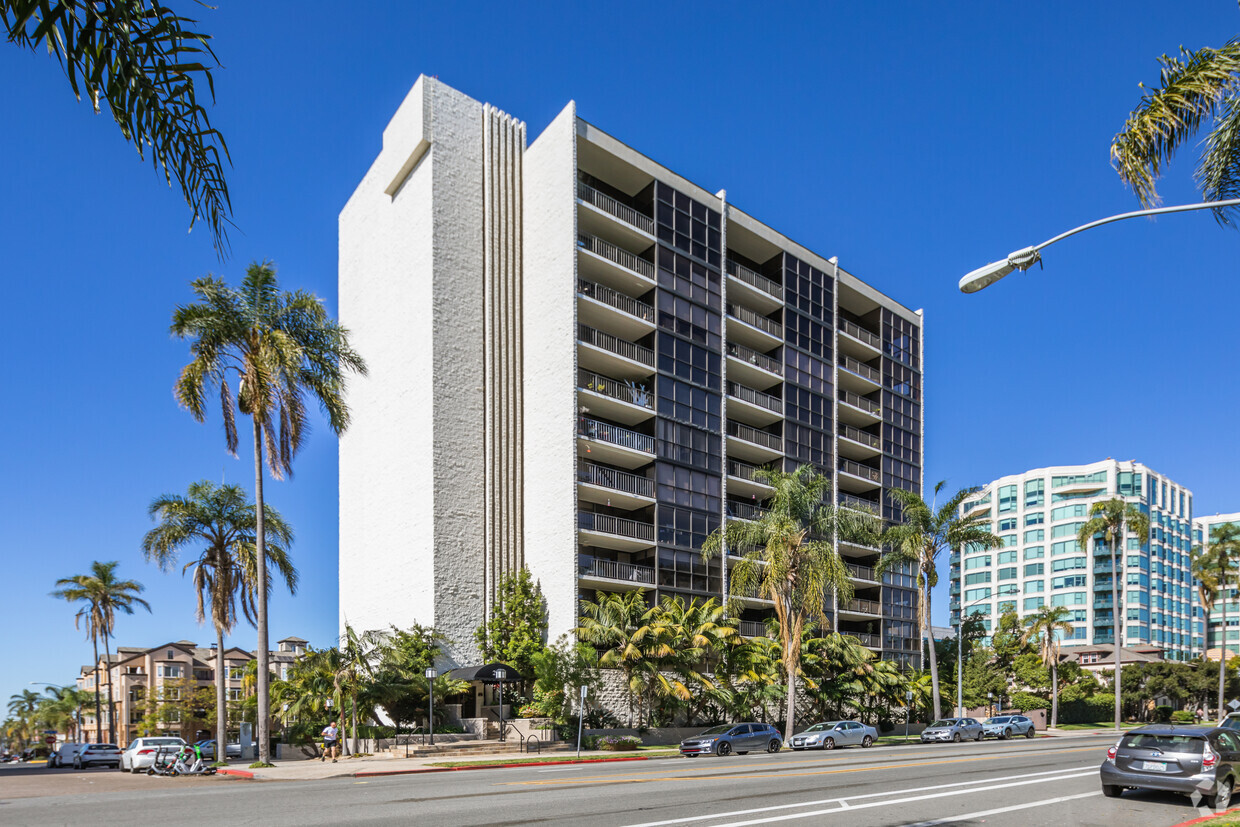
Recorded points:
859,503
857,477
859,376
613,444
747,443
621,533
858,444
861,607
601,214
614,575
741,480
608,354
607,263
612,486
610,309
857,410
753,406
752,288
856,339
628,402
754,329
752,367
746,511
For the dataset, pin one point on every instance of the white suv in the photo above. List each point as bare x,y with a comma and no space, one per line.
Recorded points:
62,756
141,751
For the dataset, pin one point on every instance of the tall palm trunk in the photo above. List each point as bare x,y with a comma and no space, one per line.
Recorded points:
1055,690
94,643
791,700
1115,615
107,658
1222,659
924,620
261,724
221,702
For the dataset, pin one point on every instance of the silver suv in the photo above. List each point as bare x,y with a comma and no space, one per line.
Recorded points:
1194,760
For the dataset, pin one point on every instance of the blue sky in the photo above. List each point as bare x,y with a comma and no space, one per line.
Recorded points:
914,141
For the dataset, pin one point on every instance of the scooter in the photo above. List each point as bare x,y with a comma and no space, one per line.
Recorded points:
189,761
164,762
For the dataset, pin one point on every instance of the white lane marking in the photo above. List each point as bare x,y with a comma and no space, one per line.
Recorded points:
844,805
568,769
1013,808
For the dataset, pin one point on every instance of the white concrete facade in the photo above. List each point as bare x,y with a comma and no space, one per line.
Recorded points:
1037,515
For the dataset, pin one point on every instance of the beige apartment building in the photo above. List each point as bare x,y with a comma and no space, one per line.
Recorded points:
163,674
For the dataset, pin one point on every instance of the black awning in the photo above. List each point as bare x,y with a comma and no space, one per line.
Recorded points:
486,674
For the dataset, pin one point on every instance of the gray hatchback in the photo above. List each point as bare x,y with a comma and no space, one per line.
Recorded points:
1199,760
728,738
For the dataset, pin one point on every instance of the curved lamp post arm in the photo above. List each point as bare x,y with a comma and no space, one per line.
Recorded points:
1025,258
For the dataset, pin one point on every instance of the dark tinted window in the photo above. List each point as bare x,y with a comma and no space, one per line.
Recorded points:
1167,743
1228,741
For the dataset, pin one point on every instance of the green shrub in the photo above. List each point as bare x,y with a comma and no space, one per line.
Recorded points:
1162,714
617,743
1096,709
1182,716
1026,702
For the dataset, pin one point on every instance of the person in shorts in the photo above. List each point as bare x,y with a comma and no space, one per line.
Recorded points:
331,742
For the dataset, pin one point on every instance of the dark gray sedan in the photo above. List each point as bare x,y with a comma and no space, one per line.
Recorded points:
952,729
729,738
1200,761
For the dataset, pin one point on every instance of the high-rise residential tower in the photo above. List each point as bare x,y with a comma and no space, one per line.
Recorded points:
1225,607
1038,514
578,360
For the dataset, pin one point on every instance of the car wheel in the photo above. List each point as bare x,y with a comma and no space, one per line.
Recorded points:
979,736
1007,733
867,742
51,763
77,763
1111,790
1029,732
828,743
1221,799
955,737
151,771
723,749
774,745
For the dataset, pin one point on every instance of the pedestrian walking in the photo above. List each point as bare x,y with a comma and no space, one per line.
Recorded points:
331,742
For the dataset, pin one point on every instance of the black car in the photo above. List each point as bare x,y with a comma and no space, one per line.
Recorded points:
728,738
1194,760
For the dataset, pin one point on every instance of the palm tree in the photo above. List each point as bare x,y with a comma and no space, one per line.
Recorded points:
1046,628
1195,88
63,706
103,596
923,534
1212,566
1111,518
620,625
360,653
142,61
690,636
281,348
220,521
789,558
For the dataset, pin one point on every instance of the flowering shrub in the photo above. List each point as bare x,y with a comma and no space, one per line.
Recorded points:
618,743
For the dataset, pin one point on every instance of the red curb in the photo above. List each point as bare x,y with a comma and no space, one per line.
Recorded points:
242,773
1204,819
497,766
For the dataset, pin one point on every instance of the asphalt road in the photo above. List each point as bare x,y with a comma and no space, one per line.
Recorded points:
1009,784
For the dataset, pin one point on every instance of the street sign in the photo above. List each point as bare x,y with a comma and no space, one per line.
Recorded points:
1234,705
50,739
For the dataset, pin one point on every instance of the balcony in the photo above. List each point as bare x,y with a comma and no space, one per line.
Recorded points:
626,402
613,444
605,205
752,628
753,289
858,444
621,533
858,477
746,511
626,576
862,607
751,444
753,406
755,369
741,480
862,572
611,486
755,329
612,355
859,503
859,376
865,639
860,340
858,409
605,307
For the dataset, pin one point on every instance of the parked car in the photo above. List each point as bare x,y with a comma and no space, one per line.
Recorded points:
834,734
952,729
88,755
1007,726
62,755
728,738
1184,759
140,752
208,749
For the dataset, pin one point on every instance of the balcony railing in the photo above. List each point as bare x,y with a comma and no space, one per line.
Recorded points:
849,501
752,628
616,435
860,402
614,298
612,570
755,280
744,470
620,347
859,470
869,607
755,436
761,322
753,357
753,397
620,526
630,391
858,332
873,641
861,572
858,435
614,208
850,364
616,255
629,483
746,511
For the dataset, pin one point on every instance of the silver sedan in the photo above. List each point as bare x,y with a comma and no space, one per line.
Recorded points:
952,729
832,734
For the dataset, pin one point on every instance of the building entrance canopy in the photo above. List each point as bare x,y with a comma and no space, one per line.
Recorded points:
486,674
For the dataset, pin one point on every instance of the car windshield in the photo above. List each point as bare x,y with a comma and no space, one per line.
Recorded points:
717,730
102,746
998,720
944,722
1192,744
821,727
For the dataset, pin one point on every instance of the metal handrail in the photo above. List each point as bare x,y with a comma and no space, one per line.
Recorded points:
859,332
858,435
614,298
632,392
751,628
744,470
618,346
864,606
620,526
861,572
753,357
861,369
615,570
753,397
746,511
761,322
615,434
859,470
594,474
860,502
741,431
615,254
866,639
614,208
754,279
861,402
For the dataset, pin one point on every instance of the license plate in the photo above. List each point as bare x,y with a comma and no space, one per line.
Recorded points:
1160,766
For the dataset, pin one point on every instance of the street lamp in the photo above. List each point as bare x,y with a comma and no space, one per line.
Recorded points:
500,675
1011,590
431,674
1026,257
908,710
990,704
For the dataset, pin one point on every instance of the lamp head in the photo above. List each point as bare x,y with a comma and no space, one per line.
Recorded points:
431,673
985,276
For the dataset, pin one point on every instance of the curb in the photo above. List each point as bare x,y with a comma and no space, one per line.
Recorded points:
241,773
496,766
1209,818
